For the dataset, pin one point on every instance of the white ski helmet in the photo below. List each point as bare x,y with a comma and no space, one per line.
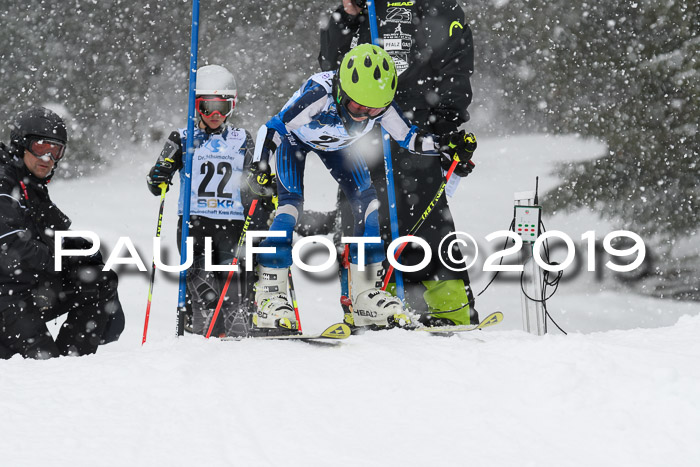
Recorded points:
215,80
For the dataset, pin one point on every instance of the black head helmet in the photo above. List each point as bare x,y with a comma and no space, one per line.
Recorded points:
37,122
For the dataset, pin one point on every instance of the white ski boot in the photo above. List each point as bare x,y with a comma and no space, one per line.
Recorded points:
371,306
273,310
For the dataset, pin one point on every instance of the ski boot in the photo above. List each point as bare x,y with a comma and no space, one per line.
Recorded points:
273,310
236,323
202,287
450,303
373,307
188,326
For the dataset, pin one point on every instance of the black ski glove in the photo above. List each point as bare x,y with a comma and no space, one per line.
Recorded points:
259,180
461,146
162,172
262,184
81,243
269,203
462,169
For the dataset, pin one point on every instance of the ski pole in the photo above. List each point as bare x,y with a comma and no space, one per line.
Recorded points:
293,295
241,241
421,221
163,188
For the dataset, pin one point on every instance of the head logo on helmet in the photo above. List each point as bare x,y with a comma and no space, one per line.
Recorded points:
367,75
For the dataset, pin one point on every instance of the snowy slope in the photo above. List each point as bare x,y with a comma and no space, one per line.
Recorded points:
610,394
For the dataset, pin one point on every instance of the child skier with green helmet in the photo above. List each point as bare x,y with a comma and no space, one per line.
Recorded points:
327,115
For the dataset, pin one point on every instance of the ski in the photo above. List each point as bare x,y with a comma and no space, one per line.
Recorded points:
490,320
333,333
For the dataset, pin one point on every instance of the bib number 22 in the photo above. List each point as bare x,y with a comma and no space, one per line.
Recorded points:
209,170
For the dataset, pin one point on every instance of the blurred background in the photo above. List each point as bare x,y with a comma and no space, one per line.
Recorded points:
621,72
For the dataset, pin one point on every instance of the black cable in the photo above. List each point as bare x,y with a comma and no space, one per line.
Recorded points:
512,227
553,283
546,282
552,319
545,277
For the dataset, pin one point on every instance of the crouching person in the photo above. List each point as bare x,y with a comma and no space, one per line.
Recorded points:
31,291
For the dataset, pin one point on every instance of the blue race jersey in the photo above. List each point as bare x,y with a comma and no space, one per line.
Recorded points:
312,117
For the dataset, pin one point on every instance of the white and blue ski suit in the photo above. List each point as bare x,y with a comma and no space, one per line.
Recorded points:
308,122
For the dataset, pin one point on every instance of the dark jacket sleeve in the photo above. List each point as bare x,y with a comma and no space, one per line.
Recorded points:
449,38
172,150
336,37
19,250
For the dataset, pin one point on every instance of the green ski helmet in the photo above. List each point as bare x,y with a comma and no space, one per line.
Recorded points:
367,75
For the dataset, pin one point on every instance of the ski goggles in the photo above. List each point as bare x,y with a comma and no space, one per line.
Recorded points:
357,110
208,106
360,111
42,148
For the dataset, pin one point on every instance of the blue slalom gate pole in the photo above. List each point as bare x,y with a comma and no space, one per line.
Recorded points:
186,188
393,216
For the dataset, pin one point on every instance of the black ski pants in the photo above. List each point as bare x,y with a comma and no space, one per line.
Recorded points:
225,234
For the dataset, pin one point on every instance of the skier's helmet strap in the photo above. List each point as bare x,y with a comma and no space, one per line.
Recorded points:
215,80
368,76
37,123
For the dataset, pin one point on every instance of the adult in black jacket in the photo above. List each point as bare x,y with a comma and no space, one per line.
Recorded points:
31,291
432,48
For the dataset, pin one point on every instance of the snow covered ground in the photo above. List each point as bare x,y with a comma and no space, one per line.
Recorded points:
621,389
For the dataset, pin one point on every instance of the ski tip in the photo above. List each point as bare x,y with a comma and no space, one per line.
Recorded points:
337,331
490,320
